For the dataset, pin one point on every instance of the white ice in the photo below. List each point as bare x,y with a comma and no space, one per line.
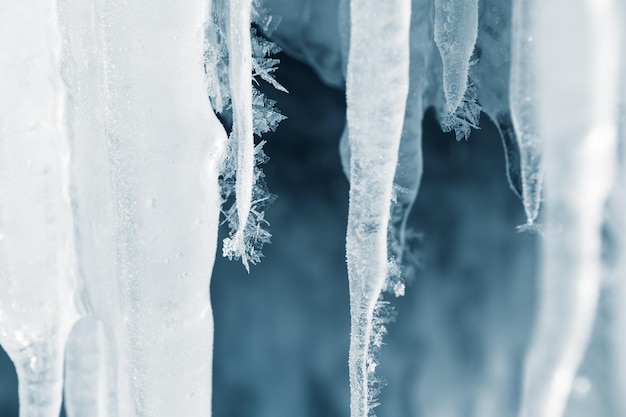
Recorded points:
576,68
146,199
37,269
377,88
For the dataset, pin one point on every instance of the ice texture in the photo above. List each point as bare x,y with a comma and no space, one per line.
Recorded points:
524,102
37,268
146,201
577,84
456,29
377,88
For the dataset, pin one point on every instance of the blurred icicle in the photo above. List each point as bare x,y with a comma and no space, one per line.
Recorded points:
524,96
456,29
37,268
577,93
492,76
377,88
410,165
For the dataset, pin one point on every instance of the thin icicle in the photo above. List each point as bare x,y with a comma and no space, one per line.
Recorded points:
37,268
410,165
241,57
492,74
241,138
456,29
377,88
523,102
577,79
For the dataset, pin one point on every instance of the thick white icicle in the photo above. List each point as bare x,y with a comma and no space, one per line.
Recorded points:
37,269
577,73
524,102
240,59
164,144
456,29
377,87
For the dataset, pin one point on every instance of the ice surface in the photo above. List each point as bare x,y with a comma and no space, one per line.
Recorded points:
146,201
456,29
576,68
37,269
377,88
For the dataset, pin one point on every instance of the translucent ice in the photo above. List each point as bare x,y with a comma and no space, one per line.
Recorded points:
577,93
240,58
377,88
456,29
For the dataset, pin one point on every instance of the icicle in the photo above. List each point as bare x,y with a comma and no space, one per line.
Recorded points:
456,28
377,88
492,74
37,269
577,84
90,377
164,146
240,59
524,105
410,165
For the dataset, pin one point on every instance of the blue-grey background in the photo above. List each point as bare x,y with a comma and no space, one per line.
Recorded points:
282,332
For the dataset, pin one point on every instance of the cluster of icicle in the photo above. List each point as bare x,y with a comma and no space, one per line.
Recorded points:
547,73
110,161
113,168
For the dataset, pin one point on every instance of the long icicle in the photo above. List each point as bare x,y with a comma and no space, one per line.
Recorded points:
377,88
240,58
523,102
37,260
577,71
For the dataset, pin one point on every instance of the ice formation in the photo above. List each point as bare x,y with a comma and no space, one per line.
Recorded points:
578,119
378,66
114,169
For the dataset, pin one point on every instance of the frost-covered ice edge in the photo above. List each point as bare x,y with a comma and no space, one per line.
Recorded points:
96,161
